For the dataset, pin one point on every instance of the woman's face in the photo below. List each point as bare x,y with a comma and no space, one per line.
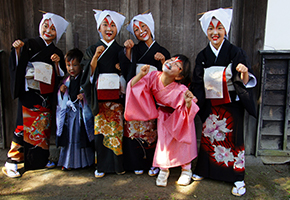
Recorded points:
48,31
108,29
216,33
141,30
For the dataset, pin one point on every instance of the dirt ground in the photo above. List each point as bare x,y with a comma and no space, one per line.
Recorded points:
262,182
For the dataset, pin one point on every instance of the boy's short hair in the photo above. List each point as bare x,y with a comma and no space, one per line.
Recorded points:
186,69
74,54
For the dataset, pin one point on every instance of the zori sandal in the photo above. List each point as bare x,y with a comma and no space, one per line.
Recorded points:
10,170
99,174
196,177
138,172
239,188
153,171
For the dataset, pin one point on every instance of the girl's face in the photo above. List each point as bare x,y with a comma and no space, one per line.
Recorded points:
73,67
108,29
173,66
141,30
216,33
48,31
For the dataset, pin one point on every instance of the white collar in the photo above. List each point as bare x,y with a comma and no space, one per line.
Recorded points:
44,41
214,50
106,43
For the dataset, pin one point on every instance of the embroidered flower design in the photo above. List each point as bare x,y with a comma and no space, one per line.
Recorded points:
240,160
215,129
223,154
114,142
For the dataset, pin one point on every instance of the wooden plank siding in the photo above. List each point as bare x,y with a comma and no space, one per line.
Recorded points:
177,28
273,131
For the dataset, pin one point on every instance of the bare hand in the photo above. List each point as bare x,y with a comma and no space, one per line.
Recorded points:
144,70
80,97
55,58
99,51
63,88
17,44
94,61
189,97
118,66
160,57
129,44
244,72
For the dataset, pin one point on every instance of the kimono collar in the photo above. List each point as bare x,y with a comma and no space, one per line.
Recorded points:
106,43
221,14
146,19
116,17
45,41
214,50
59,23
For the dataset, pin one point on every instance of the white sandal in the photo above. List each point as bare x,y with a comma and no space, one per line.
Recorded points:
99,174
196,177
138,172
239,189
153,171
162,178
185,177
10,170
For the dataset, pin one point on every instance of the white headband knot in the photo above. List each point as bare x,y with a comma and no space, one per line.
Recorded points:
59,23
146,19
224,15
116,17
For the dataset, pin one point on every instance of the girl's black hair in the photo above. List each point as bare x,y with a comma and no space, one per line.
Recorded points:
186,69
74,54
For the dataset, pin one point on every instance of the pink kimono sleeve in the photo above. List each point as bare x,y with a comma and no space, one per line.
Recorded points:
180,124
140,104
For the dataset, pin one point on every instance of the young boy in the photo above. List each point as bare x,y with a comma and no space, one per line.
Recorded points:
101,60
75,130
176,143
35,65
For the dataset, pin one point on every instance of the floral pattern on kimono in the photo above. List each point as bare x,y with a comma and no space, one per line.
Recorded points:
146,130
36,126
109,123
217,132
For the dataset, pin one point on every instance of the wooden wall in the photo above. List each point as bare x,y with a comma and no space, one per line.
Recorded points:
177,28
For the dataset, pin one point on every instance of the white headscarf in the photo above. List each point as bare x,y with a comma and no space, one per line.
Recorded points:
116,17
221,14
59,23
146,19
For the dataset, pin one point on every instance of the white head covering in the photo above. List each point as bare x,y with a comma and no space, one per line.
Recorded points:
116,17
221,14
59,23
146,19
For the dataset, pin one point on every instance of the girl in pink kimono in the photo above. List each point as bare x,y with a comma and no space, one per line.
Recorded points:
176,144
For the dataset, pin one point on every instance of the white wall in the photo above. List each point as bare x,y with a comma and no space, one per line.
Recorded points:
277,35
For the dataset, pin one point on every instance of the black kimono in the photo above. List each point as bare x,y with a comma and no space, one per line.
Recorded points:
32,101
222,153
108,114
140,137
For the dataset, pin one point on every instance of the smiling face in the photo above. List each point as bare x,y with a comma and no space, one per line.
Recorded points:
216,33
108,29
48,31
141,31
173,67
73,67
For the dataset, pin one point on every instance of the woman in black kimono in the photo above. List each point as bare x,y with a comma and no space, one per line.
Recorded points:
221,79
31,137
139,136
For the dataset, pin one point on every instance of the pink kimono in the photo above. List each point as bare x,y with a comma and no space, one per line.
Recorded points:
176,144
